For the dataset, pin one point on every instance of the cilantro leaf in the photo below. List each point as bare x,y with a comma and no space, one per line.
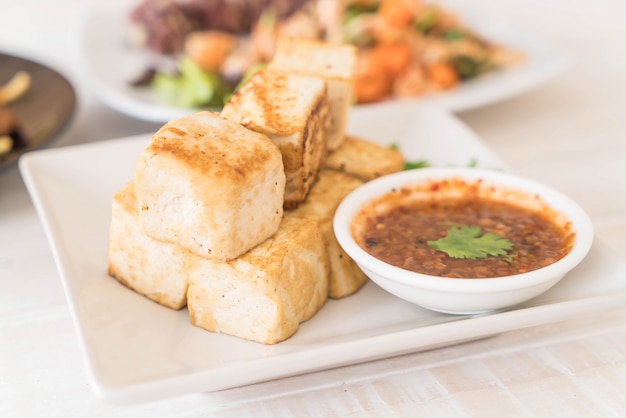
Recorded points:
410,165
469,242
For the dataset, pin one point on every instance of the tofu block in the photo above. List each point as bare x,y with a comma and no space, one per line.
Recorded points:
364,159
155,269
329,190
334,62
210,185
266,293
293,111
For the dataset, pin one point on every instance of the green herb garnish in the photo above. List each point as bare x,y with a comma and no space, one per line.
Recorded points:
452,35
427,20
354,10
410,165
193,87
469,242
468,67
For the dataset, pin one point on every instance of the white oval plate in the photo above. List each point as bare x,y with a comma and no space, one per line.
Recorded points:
109,64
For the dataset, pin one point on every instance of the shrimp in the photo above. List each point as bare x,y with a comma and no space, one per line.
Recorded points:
399,13
209,49
411,83
372,81
443,76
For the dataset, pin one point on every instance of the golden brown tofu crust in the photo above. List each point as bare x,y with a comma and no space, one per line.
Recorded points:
364,159
211,150
294,112
326,194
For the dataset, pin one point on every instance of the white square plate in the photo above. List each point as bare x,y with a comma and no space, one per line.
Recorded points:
109,64
136,350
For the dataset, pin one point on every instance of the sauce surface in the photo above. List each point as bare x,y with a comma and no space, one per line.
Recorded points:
400,235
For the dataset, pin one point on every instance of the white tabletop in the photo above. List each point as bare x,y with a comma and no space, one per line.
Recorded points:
569,133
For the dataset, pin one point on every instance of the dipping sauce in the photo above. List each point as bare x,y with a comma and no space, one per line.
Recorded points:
401,227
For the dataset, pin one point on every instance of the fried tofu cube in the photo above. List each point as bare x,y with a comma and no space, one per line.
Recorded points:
365,159
155,269
267,292
210,185
293,111
334,62
329,190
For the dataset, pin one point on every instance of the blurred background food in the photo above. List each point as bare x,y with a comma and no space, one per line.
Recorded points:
10,132
407,48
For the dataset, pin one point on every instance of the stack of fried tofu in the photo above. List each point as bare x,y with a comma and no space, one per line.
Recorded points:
231,214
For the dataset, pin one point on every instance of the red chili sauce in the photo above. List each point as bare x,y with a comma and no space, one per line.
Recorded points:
399,235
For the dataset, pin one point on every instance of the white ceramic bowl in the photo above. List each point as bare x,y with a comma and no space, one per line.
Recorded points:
463,296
